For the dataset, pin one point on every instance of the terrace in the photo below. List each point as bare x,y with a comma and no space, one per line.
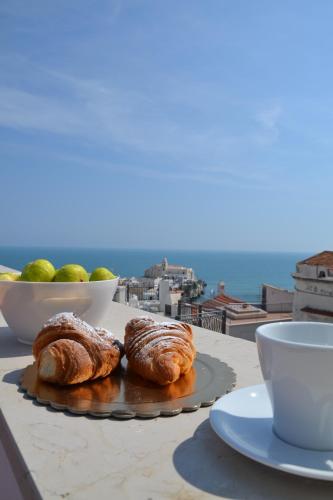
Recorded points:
50,454
235,319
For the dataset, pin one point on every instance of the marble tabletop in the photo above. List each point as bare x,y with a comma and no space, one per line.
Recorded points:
59,455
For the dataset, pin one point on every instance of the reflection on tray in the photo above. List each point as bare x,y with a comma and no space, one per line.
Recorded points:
127,394
123,385
137,389
80,396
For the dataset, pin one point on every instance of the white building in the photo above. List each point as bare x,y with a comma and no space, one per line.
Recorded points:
169,297
172,271
120,295
313,298
275,299
162,299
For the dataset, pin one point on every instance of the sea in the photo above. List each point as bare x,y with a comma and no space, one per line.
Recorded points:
243,273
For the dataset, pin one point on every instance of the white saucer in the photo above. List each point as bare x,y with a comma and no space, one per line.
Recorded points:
243,419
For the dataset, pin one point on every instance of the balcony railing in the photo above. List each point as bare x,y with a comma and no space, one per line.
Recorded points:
217,320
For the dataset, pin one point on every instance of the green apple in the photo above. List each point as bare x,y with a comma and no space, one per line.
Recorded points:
71,272
9,276
38,270
101,273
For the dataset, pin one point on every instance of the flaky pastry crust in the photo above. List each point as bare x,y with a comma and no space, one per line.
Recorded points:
160,352
69,351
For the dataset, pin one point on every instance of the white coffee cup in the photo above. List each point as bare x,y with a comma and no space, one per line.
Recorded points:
296,360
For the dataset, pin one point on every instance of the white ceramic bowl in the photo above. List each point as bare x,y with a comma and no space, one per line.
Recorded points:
27,305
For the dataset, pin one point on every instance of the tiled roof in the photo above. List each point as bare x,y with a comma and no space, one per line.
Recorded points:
220,301
320,259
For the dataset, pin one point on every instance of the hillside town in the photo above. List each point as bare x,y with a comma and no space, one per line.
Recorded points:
173,290
161,288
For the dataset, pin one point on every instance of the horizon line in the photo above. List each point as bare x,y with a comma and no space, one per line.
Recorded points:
145,249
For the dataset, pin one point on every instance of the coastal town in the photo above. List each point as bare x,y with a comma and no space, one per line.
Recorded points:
161,288
174,291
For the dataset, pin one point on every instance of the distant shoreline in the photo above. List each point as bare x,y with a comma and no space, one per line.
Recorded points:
242,272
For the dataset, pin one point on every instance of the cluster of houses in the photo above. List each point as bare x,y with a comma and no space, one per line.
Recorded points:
311,299
163,289
160,289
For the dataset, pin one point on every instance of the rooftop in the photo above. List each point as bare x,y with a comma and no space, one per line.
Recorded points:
270,317
221,300
324,258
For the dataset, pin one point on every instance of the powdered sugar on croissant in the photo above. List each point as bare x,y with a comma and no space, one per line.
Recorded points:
161,352
69,350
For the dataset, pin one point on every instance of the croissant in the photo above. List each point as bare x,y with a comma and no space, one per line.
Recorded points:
160,352
69,351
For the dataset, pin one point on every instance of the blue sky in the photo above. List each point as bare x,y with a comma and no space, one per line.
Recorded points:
167,124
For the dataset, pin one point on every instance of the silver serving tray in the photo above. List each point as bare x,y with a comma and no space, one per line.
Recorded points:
124,394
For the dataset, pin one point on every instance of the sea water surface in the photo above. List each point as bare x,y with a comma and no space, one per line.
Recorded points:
243,273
